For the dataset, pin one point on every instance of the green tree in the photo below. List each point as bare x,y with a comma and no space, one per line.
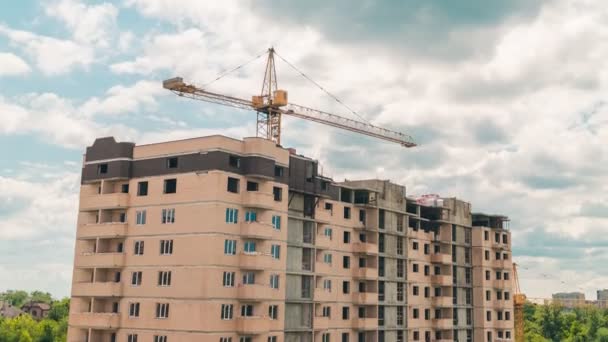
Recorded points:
602,335
16,298
59,309
39,296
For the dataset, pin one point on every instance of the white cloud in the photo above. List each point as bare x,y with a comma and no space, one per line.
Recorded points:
51,55
94,24
11,65
121,99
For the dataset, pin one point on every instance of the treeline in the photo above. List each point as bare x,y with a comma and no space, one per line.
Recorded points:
548,323
25,329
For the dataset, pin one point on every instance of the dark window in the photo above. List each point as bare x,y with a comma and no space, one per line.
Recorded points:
427,248
504,238
324,185
124,188
346,237
102,169
122,217
427,270
115,307
346,212
346,261
416,333
170,186
234,161
345,337
415,314
427,292
345,312
486,235
415,290
117,277
381,219
278,171
415,268
362,216
252,186
329,206
345,287
142,189
277,193
172,163
415,245
233,185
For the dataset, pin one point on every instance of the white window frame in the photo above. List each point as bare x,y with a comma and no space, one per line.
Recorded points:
164,278
140,217
274,281
168,216
232,215
162,310
276,223
249,247
227,312
230,247
138,247
166,247
228,279
275,251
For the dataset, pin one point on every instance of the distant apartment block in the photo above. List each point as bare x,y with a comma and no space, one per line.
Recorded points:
569,299
602,298
223,240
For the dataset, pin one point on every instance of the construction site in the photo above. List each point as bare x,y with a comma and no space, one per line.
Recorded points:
244,240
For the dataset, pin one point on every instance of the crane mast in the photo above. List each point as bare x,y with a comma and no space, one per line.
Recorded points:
519,299
272,104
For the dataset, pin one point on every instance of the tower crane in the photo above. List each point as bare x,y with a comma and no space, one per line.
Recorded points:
519,299
272,104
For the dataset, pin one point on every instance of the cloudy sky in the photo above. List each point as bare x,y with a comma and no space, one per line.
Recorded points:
507,101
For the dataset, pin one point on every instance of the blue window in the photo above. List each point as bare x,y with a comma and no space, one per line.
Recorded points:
275,251
276,222
230,247
250,216
232,215
249,247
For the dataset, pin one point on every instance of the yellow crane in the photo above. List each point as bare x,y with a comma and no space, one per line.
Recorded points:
519,299
272,104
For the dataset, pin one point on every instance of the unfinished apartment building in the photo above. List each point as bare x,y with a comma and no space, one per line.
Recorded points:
217,239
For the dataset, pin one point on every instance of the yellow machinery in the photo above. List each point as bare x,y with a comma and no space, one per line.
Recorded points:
519,299
272,104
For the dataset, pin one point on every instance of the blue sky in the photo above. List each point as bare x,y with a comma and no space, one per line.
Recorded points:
507,101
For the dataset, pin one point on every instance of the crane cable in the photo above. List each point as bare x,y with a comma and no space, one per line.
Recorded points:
321,87
226,72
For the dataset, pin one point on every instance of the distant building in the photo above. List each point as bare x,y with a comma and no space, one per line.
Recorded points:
37,310
569,299
8,310
602,298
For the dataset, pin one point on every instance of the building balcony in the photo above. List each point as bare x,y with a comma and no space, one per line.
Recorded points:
323,215
442,301
444,280
501,284
365,248
106,260
321,323
102,230
257,230
365,298
443,323
100,289
365,323
95,320
502,324
322,241
104,201
441,258
256,261
324,268
256,292
323,295
506,264
257,199
365,273
252,325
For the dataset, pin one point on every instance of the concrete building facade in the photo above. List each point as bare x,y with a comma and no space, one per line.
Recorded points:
217,239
